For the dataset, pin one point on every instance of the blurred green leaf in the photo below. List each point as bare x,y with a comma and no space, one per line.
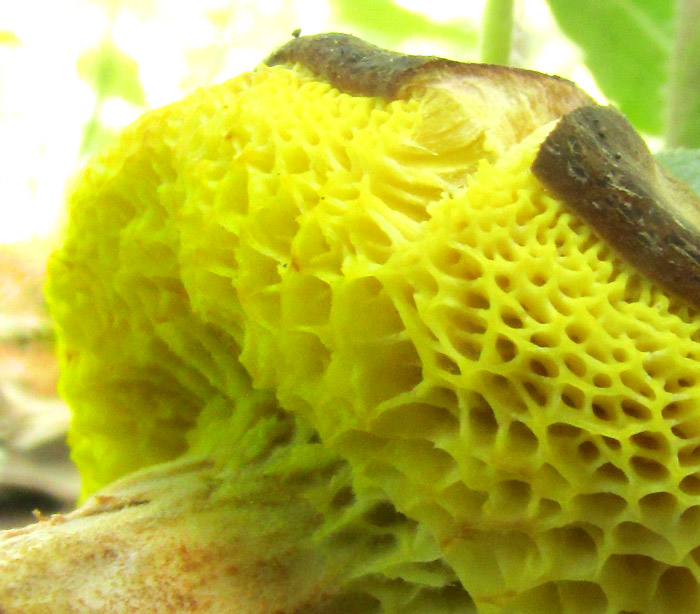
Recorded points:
388,24
684,164
628,46
112,73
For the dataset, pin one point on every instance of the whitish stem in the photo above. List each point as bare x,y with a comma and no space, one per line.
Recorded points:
496,31
159,542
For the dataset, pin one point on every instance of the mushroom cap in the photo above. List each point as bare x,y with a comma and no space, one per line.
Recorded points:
384,265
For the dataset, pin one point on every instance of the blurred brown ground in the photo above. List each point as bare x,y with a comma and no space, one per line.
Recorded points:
35,469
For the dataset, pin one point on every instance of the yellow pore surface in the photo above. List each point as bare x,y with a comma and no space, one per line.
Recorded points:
412,292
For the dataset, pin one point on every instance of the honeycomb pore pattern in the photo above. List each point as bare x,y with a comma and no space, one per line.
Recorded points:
471,349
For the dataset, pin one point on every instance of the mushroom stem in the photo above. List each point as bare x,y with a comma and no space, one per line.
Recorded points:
158,541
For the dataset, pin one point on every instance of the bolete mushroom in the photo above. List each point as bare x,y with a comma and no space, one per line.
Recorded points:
374,333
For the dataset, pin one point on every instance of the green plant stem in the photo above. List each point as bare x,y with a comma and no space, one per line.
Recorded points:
496,33
683,111
92,127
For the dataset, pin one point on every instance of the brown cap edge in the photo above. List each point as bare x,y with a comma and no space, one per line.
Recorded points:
359,68
598,165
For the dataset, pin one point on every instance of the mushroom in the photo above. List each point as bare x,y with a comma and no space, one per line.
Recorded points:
360,332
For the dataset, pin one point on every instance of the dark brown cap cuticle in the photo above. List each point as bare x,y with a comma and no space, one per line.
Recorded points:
597,163
349,63
356,67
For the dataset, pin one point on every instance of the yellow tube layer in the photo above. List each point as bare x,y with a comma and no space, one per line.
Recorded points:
394,274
